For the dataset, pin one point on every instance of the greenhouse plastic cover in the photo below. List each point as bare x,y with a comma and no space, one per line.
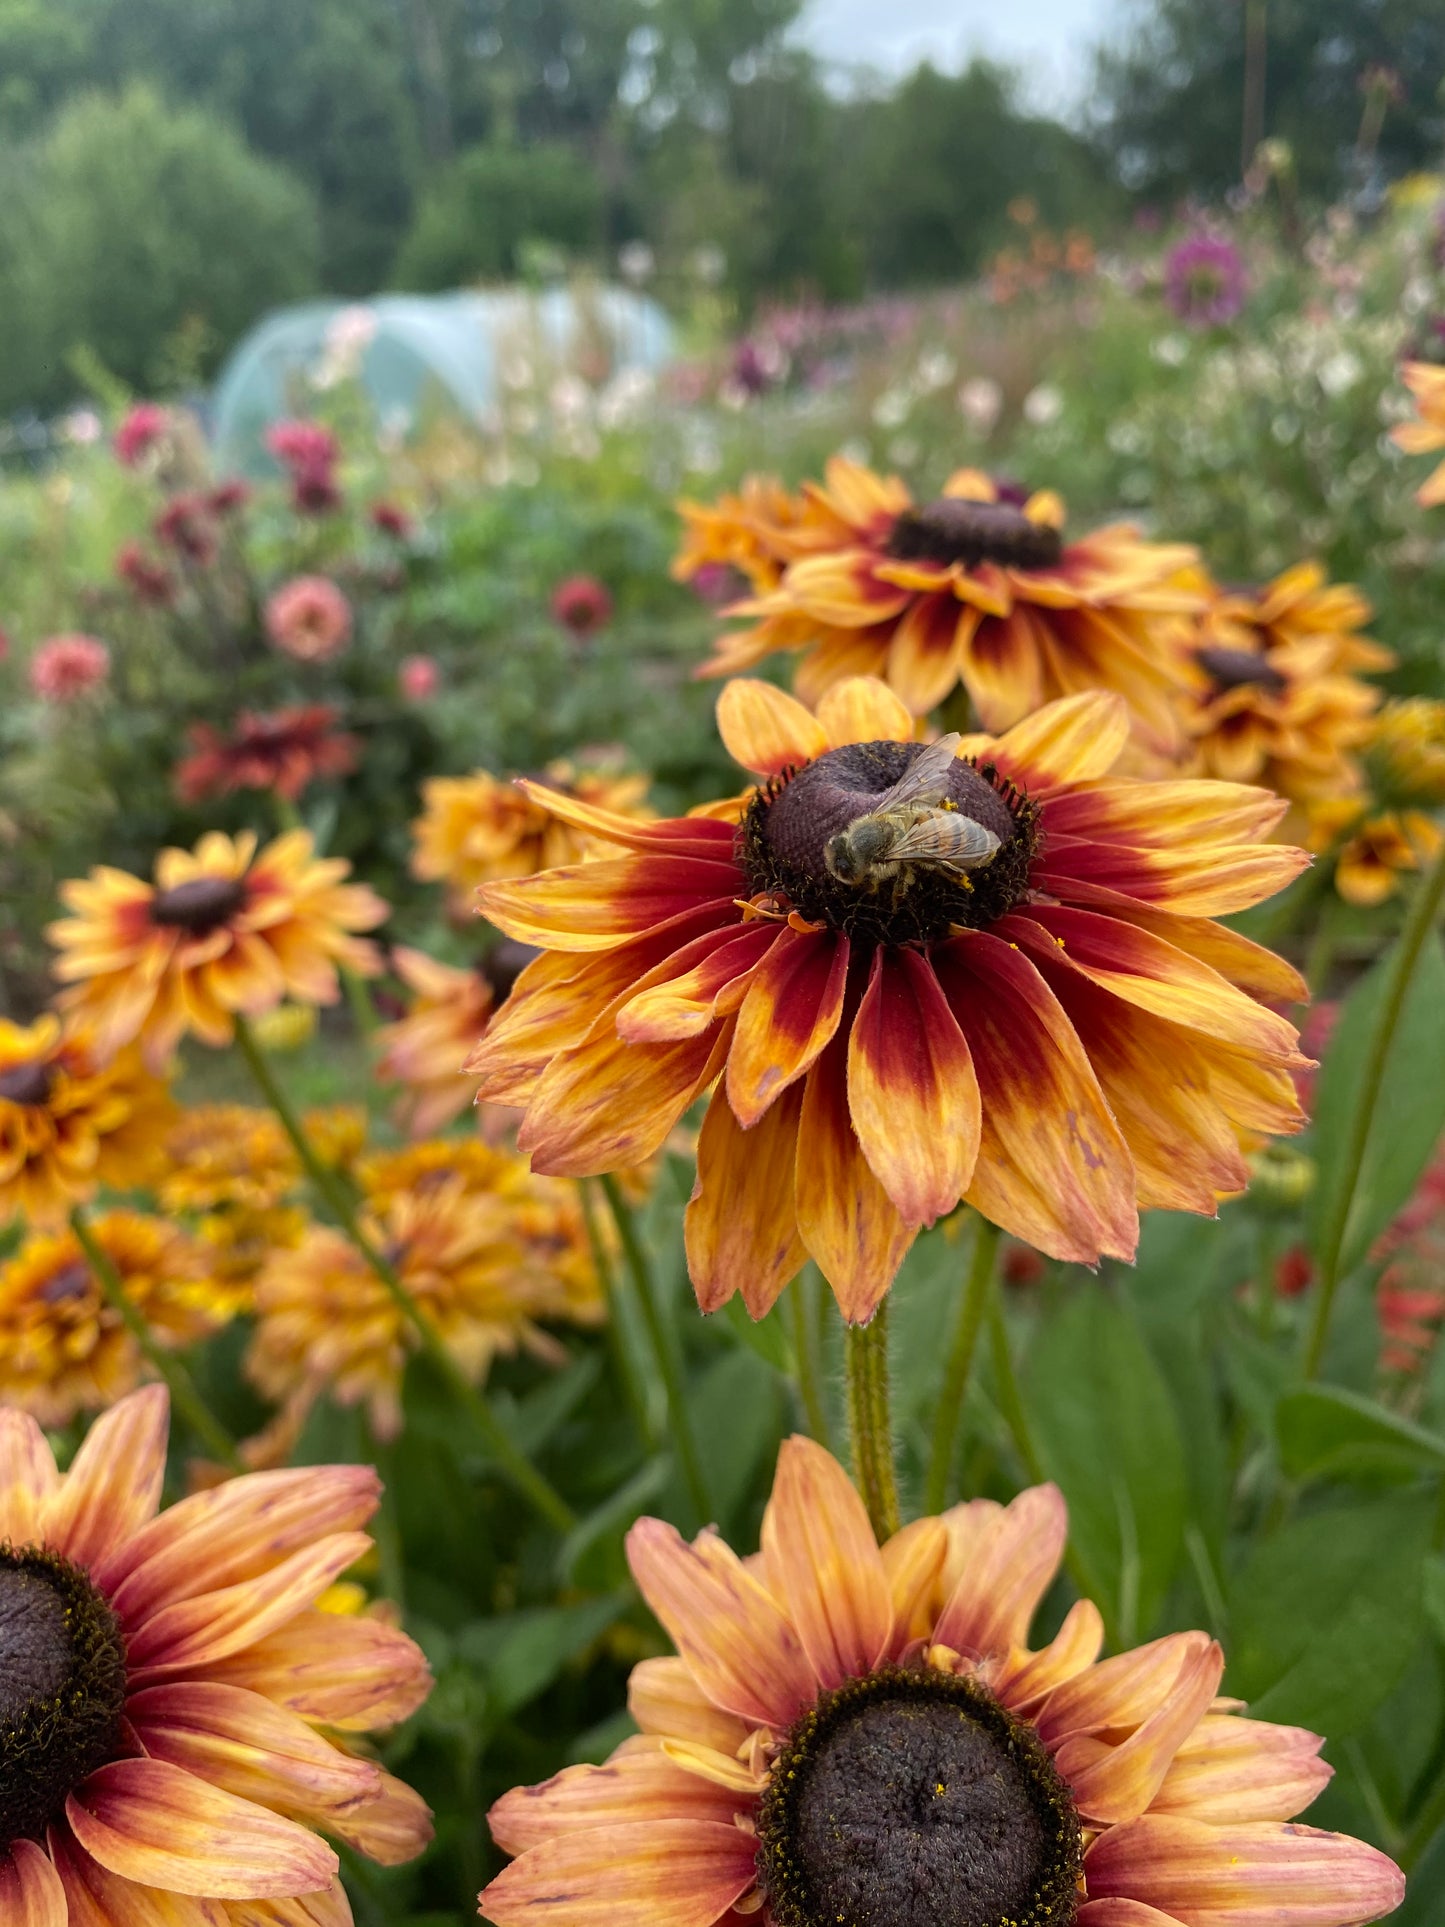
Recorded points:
418,354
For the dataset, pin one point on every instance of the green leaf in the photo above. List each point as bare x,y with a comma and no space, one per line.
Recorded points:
1104,1421
522,1653
738,1410
1324,1429
768,1337
1434,1594
1324,1615
1409,1116
594,1543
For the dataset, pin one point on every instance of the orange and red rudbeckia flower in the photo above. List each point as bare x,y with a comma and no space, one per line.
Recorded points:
70,1123
974,590
860,1733
173,1703
221,930
1059,1036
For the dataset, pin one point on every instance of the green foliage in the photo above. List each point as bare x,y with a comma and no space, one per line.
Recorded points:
1168,98
474,222
110,243
932,167
1409,1119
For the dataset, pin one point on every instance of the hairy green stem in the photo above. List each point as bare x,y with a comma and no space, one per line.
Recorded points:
639,1265
185,1397
1418,924
514,1462
968,1323
870,1420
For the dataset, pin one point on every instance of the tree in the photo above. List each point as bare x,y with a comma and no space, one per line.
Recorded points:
475,221
1169,98
133,220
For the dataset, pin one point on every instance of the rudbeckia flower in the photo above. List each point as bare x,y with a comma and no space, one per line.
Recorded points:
755,532
325,1323
1423,437
1272,696
474,828
860,1733
171,1696
886,1043
69,1122
975,590
284,753
220,930
425,1049
1374,850
63,1348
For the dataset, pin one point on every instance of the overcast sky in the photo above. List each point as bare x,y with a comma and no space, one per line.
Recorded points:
1046,39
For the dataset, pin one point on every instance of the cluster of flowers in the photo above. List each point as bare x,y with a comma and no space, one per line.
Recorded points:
982,592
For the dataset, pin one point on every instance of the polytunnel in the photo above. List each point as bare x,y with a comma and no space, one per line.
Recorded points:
416,354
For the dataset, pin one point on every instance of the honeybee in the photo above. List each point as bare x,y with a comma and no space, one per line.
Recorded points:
911,825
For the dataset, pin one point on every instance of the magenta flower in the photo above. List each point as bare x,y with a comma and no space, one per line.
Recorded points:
142,427
309,619
1204,280
418,677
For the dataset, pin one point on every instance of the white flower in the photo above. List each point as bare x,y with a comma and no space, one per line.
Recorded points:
980,402
1339,372
636,261
1043,405
1171,350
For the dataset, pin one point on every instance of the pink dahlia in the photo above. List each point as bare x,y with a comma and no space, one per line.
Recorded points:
582,604
66,667
309,619
418,677
1204,281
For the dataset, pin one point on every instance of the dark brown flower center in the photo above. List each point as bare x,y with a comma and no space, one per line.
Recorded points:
62,1686
913,1799
784,838
201,905
951,530
1238,668
27,1083
72,1281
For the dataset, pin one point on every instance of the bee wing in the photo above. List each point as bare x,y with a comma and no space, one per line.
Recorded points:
925,780
947,837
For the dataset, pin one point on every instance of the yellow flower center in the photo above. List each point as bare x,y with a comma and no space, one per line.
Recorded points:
62,1686
788,845
201,905
26,1083
952,530
913,1799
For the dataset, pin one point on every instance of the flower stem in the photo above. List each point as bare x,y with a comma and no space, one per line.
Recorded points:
634,1390
640,1267
524,1475
968,1323
870,1421
185,1397
1418,925
804,1351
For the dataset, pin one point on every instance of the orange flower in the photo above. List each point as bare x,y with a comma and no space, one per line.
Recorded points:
425,1050
217,1156
1423,437
172,1692
221,930
476,828
1272,698
63,1350
1374,849
855,1733
68,1122
755,532
993,1034
325,1323
973,590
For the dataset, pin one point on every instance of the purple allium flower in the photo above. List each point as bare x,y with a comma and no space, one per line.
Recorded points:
1204,280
